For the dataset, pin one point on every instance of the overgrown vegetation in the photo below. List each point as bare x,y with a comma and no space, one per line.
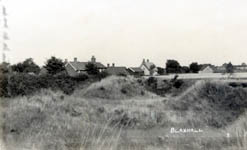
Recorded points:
215,104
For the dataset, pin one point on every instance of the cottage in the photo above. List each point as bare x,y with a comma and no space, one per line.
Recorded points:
207,69
119,70
75,68
148,68
136,71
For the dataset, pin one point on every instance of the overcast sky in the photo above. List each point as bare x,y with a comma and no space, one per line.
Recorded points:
126,31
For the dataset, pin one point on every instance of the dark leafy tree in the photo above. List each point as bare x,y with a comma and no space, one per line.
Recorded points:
229,68
27,66
92,69
4,68
185,69
54,65
194,67
173,66
152,69
161,71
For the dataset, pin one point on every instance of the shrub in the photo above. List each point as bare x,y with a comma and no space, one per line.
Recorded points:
178,83
26,84
151,81
3,85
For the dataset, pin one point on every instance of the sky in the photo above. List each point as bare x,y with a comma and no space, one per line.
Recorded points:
126,31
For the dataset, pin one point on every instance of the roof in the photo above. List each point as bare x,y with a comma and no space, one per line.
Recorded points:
117,70
82,65
136,69
205,66
148,64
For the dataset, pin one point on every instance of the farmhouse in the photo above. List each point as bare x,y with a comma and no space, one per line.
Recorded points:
75,68
148,68
119,70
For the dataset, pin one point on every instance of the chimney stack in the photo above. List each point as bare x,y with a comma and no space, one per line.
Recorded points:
93,59
143,60
113,64
147,60
66,60
75,59
108,65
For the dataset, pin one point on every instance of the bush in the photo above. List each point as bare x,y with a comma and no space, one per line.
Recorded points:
3,85
26,84
151,81
178,83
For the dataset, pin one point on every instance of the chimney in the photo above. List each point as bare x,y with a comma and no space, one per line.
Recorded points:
93,59
108,65
75,59
113,64
143,60
66,60
147,60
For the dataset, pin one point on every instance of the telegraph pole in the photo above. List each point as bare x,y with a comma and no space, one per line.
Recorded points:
4,33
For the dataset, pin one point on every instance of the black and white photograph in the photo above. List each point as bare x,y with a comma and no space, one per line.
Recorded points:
123,75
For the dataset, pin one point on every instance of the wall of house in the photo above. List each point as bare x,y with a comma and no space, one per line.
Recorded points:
70,70
146,71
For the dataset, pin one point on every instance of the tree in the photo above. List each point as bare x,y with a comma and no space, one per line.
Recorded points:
161,71
54,65
194,67
229,68
173,66
92,69
4,68
27,66
185,69
152,69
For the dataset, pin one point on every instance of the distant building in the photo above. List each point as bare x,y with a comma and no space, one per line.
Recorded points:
240,68
207,69
116,70
43,71
236,68
75,68
148,67
136,71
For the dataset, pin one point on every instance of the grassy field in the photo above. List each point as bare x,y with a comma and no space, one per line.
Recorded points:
119,114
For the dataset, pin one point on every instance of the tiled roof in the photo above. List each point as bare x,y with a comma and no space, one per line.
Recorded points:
136,69
82,65
117,70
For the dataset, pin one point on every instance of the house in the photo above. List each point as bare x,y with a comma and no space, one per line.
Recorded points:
240,68
236,68
148,68
119,70
75,68
136,71
207,69
221,69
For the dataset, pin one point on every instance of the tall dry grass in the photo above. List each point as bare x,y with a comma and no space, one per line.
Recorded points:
54,121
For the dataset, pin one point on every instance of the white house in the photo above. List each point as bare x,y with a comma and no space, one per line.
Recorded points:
148,67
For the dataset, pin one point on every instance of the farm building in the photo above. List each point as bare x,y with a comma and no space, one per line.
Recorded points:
75,68
148,68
